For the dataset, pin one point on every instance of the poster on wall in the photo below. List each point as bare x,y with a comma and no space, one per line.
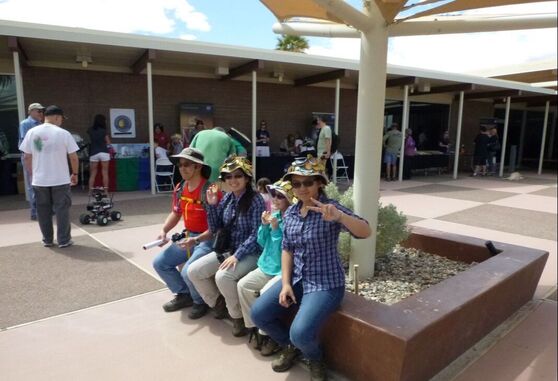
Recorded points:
122,123
190,113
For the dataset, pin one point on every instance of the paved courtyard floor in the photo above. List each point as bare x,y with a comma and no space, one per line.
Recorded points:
105,335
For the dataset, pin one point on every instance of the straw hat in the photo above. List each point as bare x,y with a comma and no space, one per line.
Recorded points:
306,166
283,187
195,156
232,163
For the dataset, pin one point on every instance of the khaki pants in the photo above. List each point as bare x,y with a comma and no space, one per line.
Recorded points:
249,288
210,281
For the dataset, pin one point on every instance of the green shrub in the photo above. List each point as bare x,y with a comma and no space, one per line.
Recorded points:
391,230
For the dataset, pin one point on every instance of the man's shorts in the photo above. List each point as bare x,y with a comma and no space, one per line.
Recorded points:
390,158
101,156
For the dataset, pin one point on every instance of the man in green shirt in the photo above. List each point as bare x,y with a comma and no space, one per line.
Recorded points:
216,146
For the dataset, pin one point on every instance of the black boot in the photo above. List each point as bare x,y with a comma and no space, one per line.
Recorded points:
318,370
180,301
198,311
286,359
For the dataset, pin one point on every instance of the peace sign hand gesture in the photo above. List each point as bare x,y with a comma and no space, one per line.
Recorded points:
329,211
212,195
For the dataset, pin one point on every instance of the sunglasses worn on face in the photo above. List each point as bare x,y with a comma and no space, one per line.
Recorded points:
277,195
185,165
228,177
307,183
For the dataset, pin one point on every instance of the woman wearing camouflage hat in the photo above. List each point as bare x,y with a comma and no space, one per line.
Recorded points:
312,274
215,276
270,236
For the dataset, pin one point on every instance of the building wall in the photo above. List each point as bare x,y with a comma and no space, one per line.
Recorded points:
82,94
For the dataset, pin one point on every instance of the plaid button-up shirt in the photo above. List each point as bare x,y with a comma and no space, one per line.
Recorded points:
244,231
313,244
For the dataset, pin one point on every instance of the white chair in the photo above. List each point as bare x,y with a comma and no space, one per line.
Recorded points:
341,172
164,173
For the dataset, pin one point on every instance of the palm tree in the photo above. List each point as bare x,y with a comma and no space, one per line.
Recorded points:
290,43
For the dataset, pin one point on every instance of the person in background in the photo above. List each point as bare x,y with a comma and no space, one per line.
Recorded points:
392,148
98,151
160,152
199,126
298,143
188,204
493,148
261,186
410,151
238,147
444,143
262,135
176,144
35,117
289,145
312,277
481,152
270,237
47,149
216,146
215,276
422,139
160,137
323,147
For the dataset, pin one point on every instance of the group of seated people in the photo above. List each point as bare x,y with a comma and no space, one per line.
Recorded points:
260,266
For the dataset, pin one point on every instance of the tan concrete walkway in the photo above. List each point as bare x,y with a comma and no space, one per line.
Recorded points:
134,339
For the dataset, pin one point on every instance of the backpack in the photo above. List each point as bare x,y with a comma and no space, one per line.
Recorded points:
203,193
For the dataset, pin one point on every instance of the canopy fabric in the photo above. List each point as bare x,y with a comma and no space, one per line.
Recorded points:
530,76
286,9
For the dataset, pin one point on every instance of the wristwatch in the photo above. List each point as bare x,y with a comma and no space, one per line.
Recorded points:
197,240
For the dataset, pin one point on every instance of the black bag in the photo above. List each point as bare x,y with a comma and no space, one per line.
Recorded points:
222,241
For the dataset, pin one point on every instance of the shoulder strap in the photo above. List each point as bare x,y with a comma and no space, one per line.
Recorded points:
179,189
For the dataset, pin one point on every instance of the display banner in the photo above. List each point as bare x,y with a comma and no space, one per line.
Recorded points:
122,123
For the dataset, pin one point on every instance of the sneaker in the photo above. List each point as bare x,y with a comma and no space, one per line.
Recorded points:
269,346
220,308
286,359
239,329
47,244
33,217
257,337
67,244
198,311
179,302
318,371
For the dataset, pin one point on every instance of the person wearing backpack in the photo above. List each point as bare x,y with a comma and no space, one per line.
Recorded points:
188,204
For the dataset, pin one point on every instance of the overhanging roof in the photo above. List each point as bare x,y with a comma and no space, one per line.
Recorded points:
57,47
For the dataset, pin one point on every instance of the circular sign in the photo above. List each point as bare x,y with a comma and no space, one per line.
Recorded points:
122,123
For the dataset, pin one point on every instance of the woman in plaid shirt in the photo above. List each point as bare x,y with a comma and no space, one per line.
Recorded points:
216,275
312,274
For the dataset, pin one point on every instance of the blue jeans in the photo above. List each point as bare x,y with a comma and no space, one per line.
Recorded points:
178,282
30,191
313,310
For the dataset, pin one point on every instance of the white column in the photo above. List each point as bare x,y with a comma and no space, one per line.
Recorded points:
20,107
543,140
404,126
254,120
522,138
150,126
336,127
505,137
369,132
458,135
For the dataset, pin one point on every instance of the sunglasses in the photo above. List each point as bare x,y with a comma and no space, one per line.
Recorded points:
185,165
307,183
276,195
229,177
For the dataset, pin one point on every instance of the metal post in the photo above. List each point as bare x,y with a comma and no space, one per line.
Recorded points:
336,127
150,126
404,126
541,157
505,137
369,132
522,138
458,135
355,278
254,121
20,110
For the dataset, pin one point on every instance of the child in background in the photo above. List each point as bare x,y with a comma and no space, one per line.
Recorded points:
261,185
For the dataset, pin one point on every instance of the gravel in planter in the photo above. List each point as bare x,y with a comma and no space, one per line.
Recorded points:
405,272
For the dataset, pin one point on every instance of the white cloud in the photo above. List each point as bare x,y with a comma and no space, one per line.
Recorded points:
187,37
128,16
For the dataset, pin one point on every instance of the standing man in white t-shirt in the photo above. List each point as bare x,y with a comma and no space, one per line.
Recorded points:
46,149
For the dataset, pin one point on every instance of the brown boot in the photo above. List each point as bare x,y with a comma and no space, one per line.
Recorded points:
286,359
269,346
220,308
239,329
318,370
257,337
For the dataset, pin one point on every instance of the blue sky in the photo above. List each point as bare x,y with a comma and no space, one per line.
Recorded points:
249,22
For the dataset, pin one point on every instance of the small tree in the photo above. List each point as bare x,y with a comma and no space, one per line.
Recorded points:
290,43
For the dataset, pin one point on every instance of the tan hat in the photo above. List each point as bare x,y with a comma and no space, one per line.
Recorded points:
195,156
306,166
35,106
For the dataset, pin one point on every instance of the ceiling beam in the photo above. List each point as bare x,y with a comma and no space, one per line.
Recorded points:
323,77
14,45
243,69
494,94
530,99
402,81
447,89
149,55
541,104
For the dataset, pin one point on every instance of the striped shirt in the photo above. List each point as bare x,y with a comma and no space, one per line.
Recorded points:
244,232
313,244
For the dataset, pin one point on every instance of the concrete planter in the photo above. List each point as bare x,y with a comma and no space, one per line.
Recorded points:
419,336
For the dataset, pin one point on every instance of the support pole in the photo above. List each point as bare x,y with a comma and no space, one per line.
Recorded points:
336,127
404,126
150,126
505,137
20,110
369,132
458,135
522,138
254,121
551,138
543,140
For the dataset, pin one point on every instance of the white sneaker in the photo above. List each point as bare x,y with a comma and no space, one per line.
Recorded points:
67,244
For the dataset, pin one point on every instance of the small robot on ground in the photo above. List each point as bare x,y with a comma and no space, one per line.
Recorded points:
99,208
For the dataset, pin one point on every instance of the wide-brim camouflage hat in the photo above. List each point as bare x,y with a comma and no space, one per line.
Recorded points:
232,163
195,156
283,187
306,166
